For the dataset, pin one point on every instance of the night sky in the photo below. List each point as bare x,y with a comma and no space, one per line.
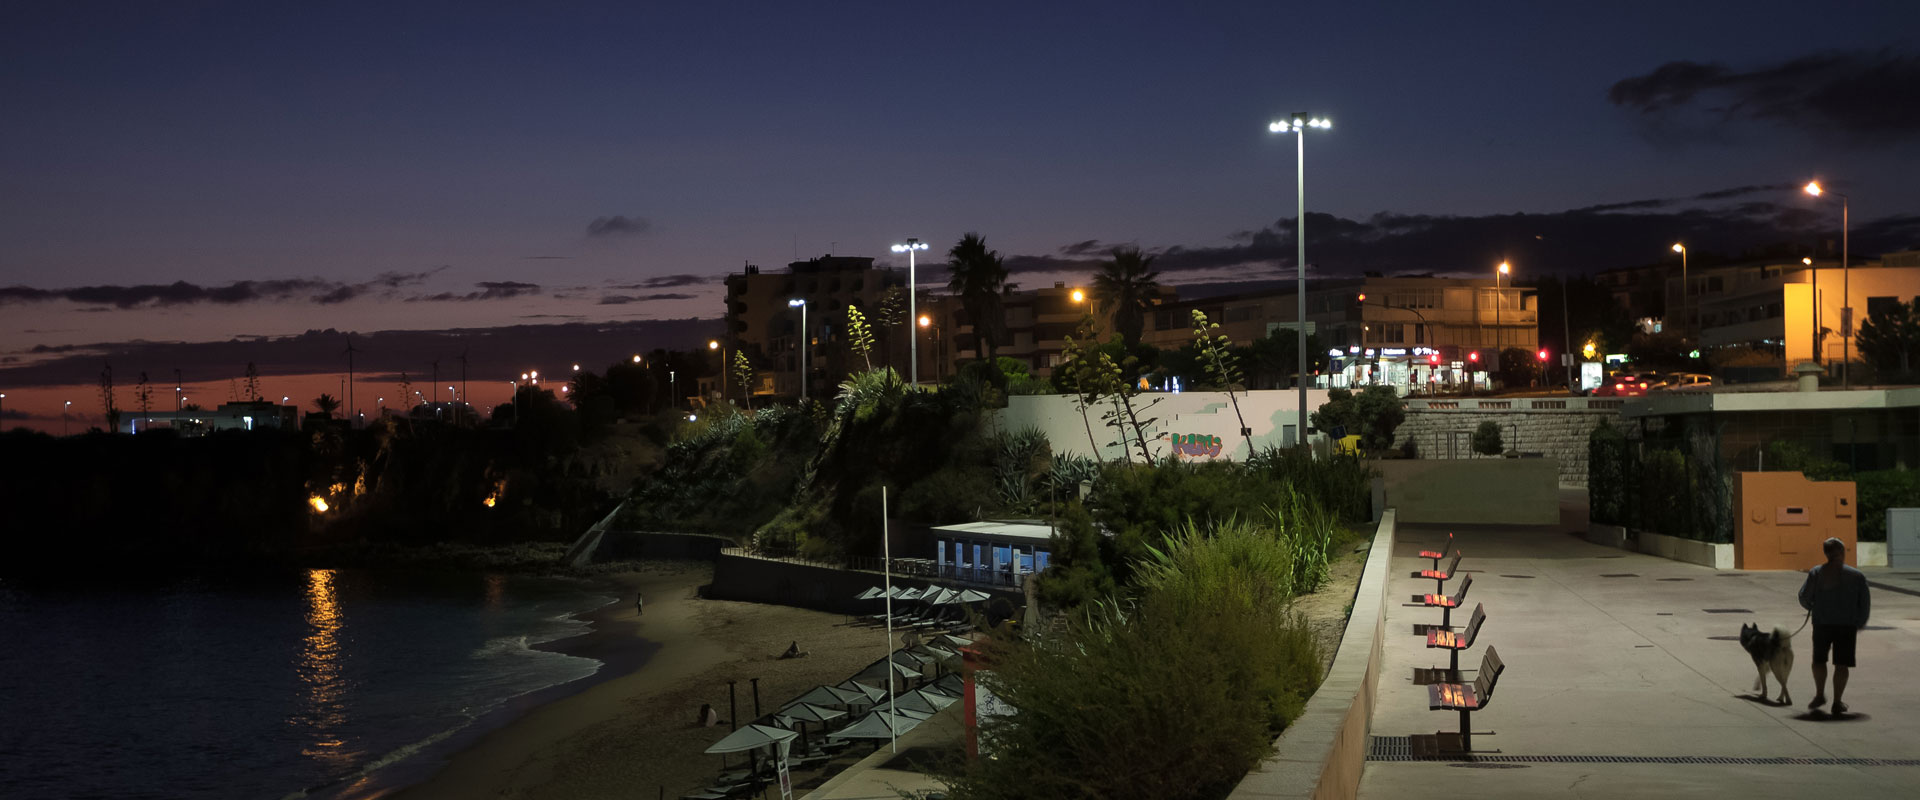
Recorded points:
185,184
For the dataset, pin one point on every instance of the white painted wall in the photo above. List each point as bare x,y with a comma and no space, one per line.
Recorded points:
1269,413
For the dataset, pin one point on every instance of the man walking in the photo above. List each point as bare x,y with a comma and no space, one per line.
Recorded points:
1836,596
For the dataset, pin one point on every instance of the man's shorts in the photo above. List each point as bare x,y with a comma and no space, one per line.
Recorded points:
1838,637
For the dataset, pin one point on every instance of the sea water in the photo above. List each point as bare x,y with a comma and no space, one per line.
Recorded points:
309,683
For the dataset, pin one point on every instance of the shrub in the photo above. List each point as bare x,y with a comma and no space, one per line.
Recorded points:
1195,678
1342,484
1607,474
1486,439
1878,491
1373,415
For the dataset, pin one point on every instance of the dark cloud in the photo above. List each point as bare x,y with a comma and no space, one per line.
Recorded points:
183,293
1858,97
489,290
1086,248
1580,240
665,281
623,299
618,226
492,352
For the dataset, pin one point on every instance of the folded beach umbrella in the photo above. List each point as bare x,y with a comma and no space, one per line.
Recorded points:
972,596
752,737
908,594
950,640
877,725
873,593
938,596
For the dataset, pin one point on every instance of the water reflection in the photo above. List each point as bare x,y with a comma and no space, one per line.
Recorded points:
322,689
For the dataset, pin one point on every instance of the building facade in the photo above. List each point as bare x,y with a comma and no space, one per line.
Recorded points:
761,323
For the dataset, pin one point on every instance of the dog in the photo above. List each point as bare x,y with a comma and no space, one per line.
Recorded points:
1771,652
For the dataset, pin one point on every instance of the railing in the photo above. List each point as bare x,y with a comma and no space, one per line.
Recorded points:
1509,404
903,567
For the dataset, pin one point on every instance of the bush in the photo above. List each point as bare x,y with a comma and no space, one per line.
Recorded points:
1607,475
1341,484
1373,414
1486,439
1196,677
1878,491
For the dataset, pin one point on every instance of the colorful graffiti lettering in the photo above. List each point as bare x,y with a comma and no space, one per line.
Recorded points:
1196,444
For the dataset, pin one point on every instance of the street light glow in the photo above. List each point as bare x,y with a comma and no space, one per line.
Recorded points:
924,322
1679,248
1079,296
796,303
1813,188
912,244
1505,268
1806,261
712,344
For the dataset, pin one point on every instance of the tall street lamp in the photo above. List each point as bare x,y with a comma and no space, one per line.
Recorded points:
1298,126
913,291
3,410
673,389
1685,320
714,344
926,321
1498,301
63,417
806,352
1846,310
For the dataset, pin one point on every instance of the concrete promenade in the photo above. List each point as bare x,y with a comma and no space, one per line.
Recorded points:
1613,655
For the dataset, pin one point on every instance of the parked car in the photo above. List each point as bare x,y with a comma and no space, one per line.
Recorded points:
1690,380
1621,386
1654,380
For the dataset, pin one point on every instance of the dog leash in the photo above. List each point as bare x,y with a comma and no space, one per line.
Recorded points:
1803,625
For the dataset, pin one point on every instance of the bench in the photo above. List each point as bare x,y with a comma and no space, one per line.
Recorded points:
1455,641
1445,603
1439,577
1465,698
1436,555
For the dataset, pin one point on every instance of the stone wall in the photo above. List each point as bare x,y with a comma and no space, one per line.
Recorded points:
1556,428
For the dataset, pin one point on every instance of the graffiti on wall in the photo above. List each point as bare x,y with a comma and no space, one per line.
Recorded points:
1196,445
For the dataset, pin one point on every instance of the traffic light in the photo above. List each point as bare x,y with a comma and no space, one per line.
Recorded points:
1542,355
1474,356
1433,359
1361,298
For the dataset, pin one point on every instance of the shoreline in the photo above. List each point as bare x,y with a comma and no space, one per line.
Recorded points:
630,726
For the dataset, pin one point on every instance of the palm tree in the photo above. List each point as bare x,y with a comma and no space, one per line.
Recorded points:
326,404
1126,288
1891,337
978,276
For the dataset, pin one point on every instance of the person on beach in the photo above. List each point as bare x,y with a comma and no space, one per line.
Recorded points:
1836,597
639,603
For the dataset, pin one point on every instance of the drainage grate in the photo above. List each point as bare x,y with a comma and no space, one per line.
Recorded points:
1619,575
1663,614
1528,577
1609,556
1725,638
1728,610
1729,575
1673,579
1400,748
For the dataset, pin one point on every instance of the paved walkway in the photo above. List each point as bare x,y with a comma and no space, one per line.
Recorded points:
1613,654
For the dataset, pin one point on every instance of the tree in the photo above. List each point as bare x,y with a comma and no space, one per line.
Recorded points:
406,391
1890,339
326,404
1075,375
1274,359
143,393
887,317
253,382
1486,439
859,335
743,373
978,275
1126,287
107,399
1518,368
1216,355
1373,414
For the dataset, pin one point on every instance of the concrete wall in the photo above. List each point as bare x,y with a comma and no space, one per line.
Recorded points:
625,545
1555,427
1185,414
1500,491
1323,753
1782,518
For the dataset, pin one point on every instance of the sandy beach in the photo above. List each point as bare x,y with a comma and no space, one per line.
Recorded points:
632,733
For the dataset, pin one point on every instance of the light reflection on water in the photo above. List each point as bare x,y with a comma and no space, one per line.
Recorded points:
319,665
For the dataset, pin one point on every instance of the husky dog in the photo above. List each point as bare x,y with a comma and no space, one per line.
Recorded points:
1771,652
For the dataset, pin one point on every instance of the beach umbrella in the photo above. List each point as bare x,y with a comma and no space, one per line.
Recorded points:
873,593
950,640
807,712
952,684
832,696
918,700
886,670
941,597
878,725
752,737
908,594
972,596
874,694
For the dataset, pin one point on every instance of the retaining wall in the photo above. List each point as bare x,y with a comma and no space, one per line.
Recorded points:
1554,427
802,584
625,545
1322,754
1498,491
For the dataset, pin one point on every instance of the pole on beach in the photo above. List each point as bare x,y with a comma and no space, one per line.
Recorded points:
756,696
733,708
886,572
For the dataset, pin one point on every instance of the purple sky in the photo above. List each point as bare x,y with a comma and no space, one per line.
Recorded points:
459,166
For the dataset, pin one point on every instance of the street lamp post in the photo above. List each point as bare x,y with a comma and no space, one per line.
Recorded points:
1298,126
1846,310
913,291
714,344
1498,301
673,389
1685,320
806,352
63,417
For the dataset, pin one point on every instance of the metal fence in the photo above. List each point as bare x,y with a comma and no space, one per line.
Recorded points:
903,567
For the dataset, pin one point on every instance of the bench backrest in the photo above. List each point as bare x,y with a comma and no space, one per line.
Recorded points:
1464,586
1490,669
1473,627
1454,564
